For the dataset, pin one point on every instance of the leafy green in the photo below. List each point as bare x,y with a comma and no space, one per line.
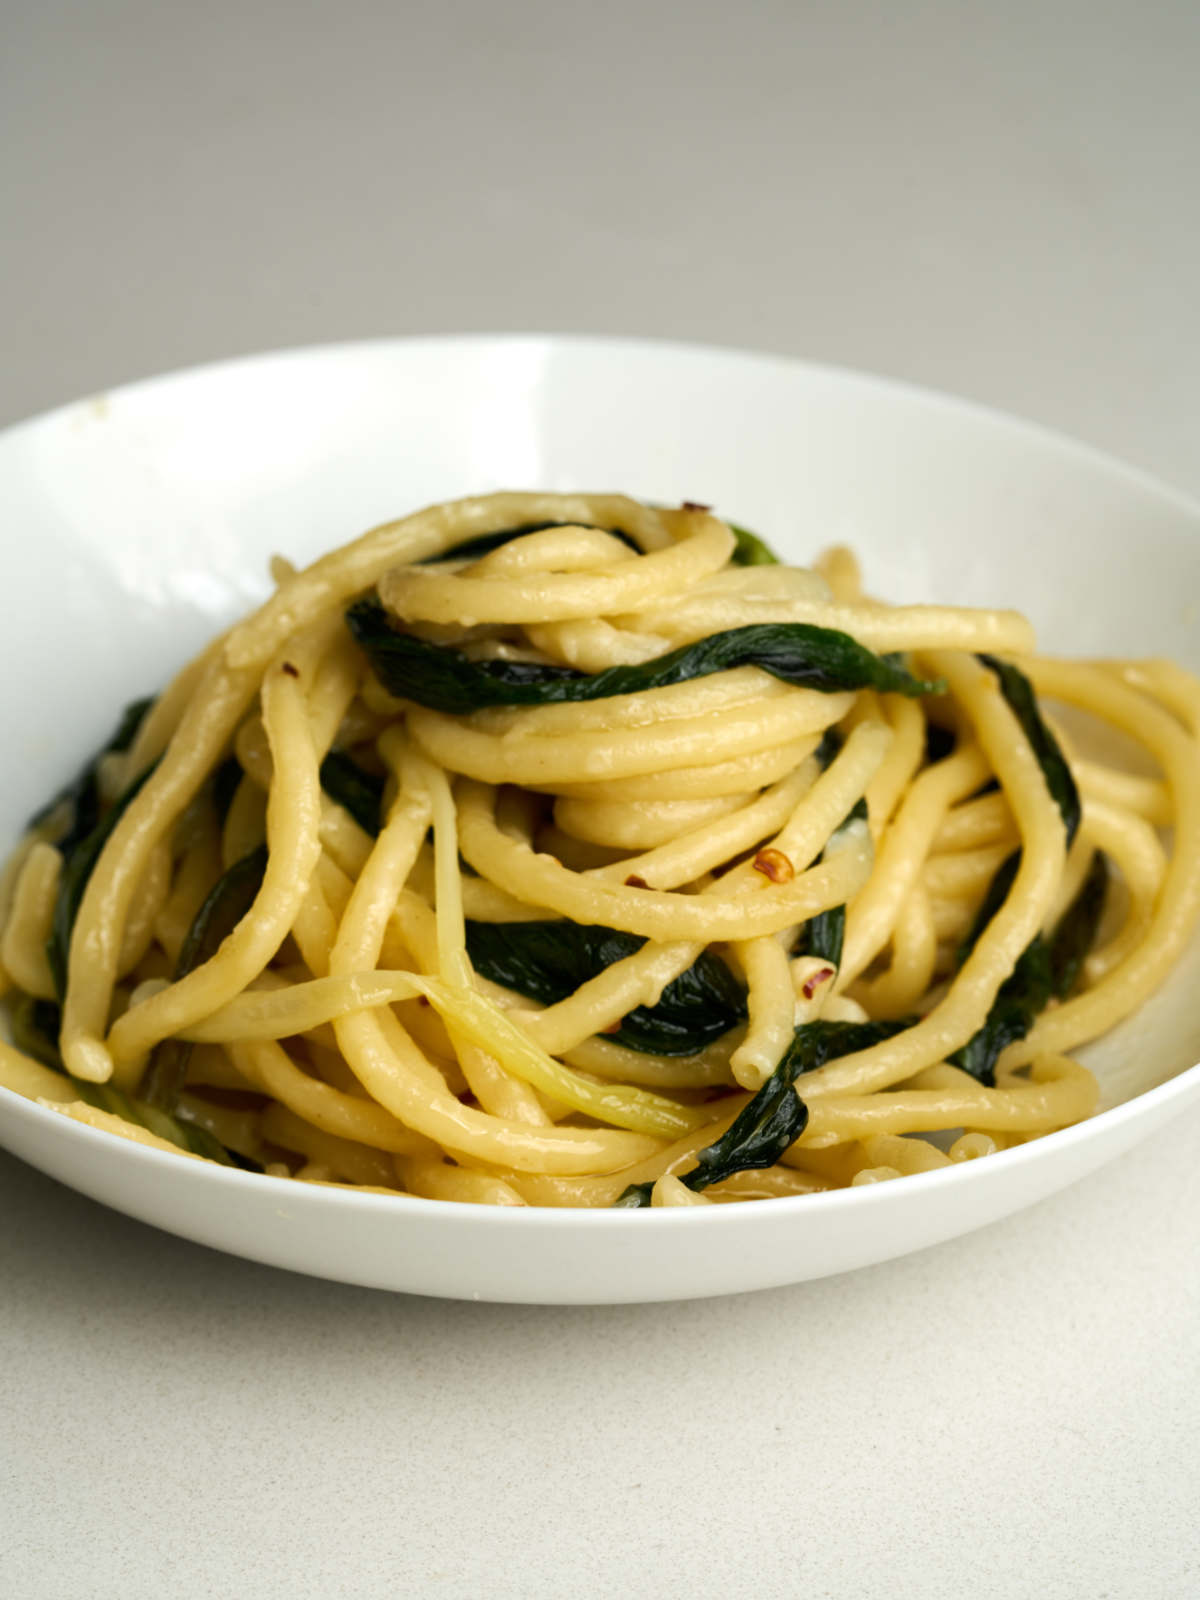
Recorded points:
445,679
174,1128
78,864
352,786
997,894
1018,691
1047,968
1077,928
1018,1001
822,935
83,792
35,1028
130,725
815,1043
751,551
226,904
483,543
36,1025
767,1125
547,961
774,1118
87,833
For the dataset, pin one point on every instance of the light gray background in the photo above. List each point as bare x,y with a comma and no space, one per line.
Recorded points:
996,200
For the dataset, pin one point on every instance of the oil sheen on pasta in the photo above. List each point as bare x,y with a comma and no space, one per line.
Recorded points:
560,850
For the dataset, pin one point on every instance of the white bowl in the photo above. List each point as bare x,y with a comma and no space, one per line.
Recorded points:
135,523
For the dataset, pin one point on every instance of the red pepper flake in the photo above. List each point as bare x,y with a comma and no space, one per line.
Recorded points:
814,982
773,864
634,882
613,1027
695,505
292,671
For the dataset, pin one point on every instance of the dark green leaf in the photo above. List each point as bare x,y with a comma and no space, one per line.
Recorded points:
1076,931
35,1029
547,961
1017,1003
1045,968
352,786
175,1129
482,544
1038,971
130,725
766,1126
822,936
1018,691
227,903
750,550
815,1043
76,870
83,793
36,1025
997,893
446,680
774,1118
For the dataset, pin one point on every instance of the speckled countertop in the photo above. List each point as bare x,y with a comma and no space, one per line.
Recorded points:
998,201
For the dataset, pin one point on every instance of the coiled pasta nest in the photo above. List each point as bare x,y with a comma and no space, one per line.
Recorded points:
564,850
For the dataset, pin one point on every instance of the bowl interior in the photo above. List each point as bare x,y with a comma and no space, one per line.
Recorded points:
136,523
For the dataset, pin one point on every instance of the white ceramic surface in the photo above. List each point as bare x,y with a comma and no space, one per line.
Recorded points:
136,522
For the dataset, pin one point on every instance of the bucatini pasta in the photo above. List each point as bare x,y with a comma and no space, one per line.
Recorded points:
562,850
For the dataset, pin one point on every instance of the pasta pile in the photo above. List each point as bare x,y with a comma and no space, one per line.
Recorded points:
561,850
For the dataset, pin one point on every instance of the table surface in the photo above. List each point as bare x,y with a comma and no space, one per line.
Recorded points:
997,201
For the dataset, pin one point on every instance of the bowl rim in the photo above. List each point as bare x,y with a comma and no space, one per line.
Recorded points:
1043,1148
1180,1085
633,345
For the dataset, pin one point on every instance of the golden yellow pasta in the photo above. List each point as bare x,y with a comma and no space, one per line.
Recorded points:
561,850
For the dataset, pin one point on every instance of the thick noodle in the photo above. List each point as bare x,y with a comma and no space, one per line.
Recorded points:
752,931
